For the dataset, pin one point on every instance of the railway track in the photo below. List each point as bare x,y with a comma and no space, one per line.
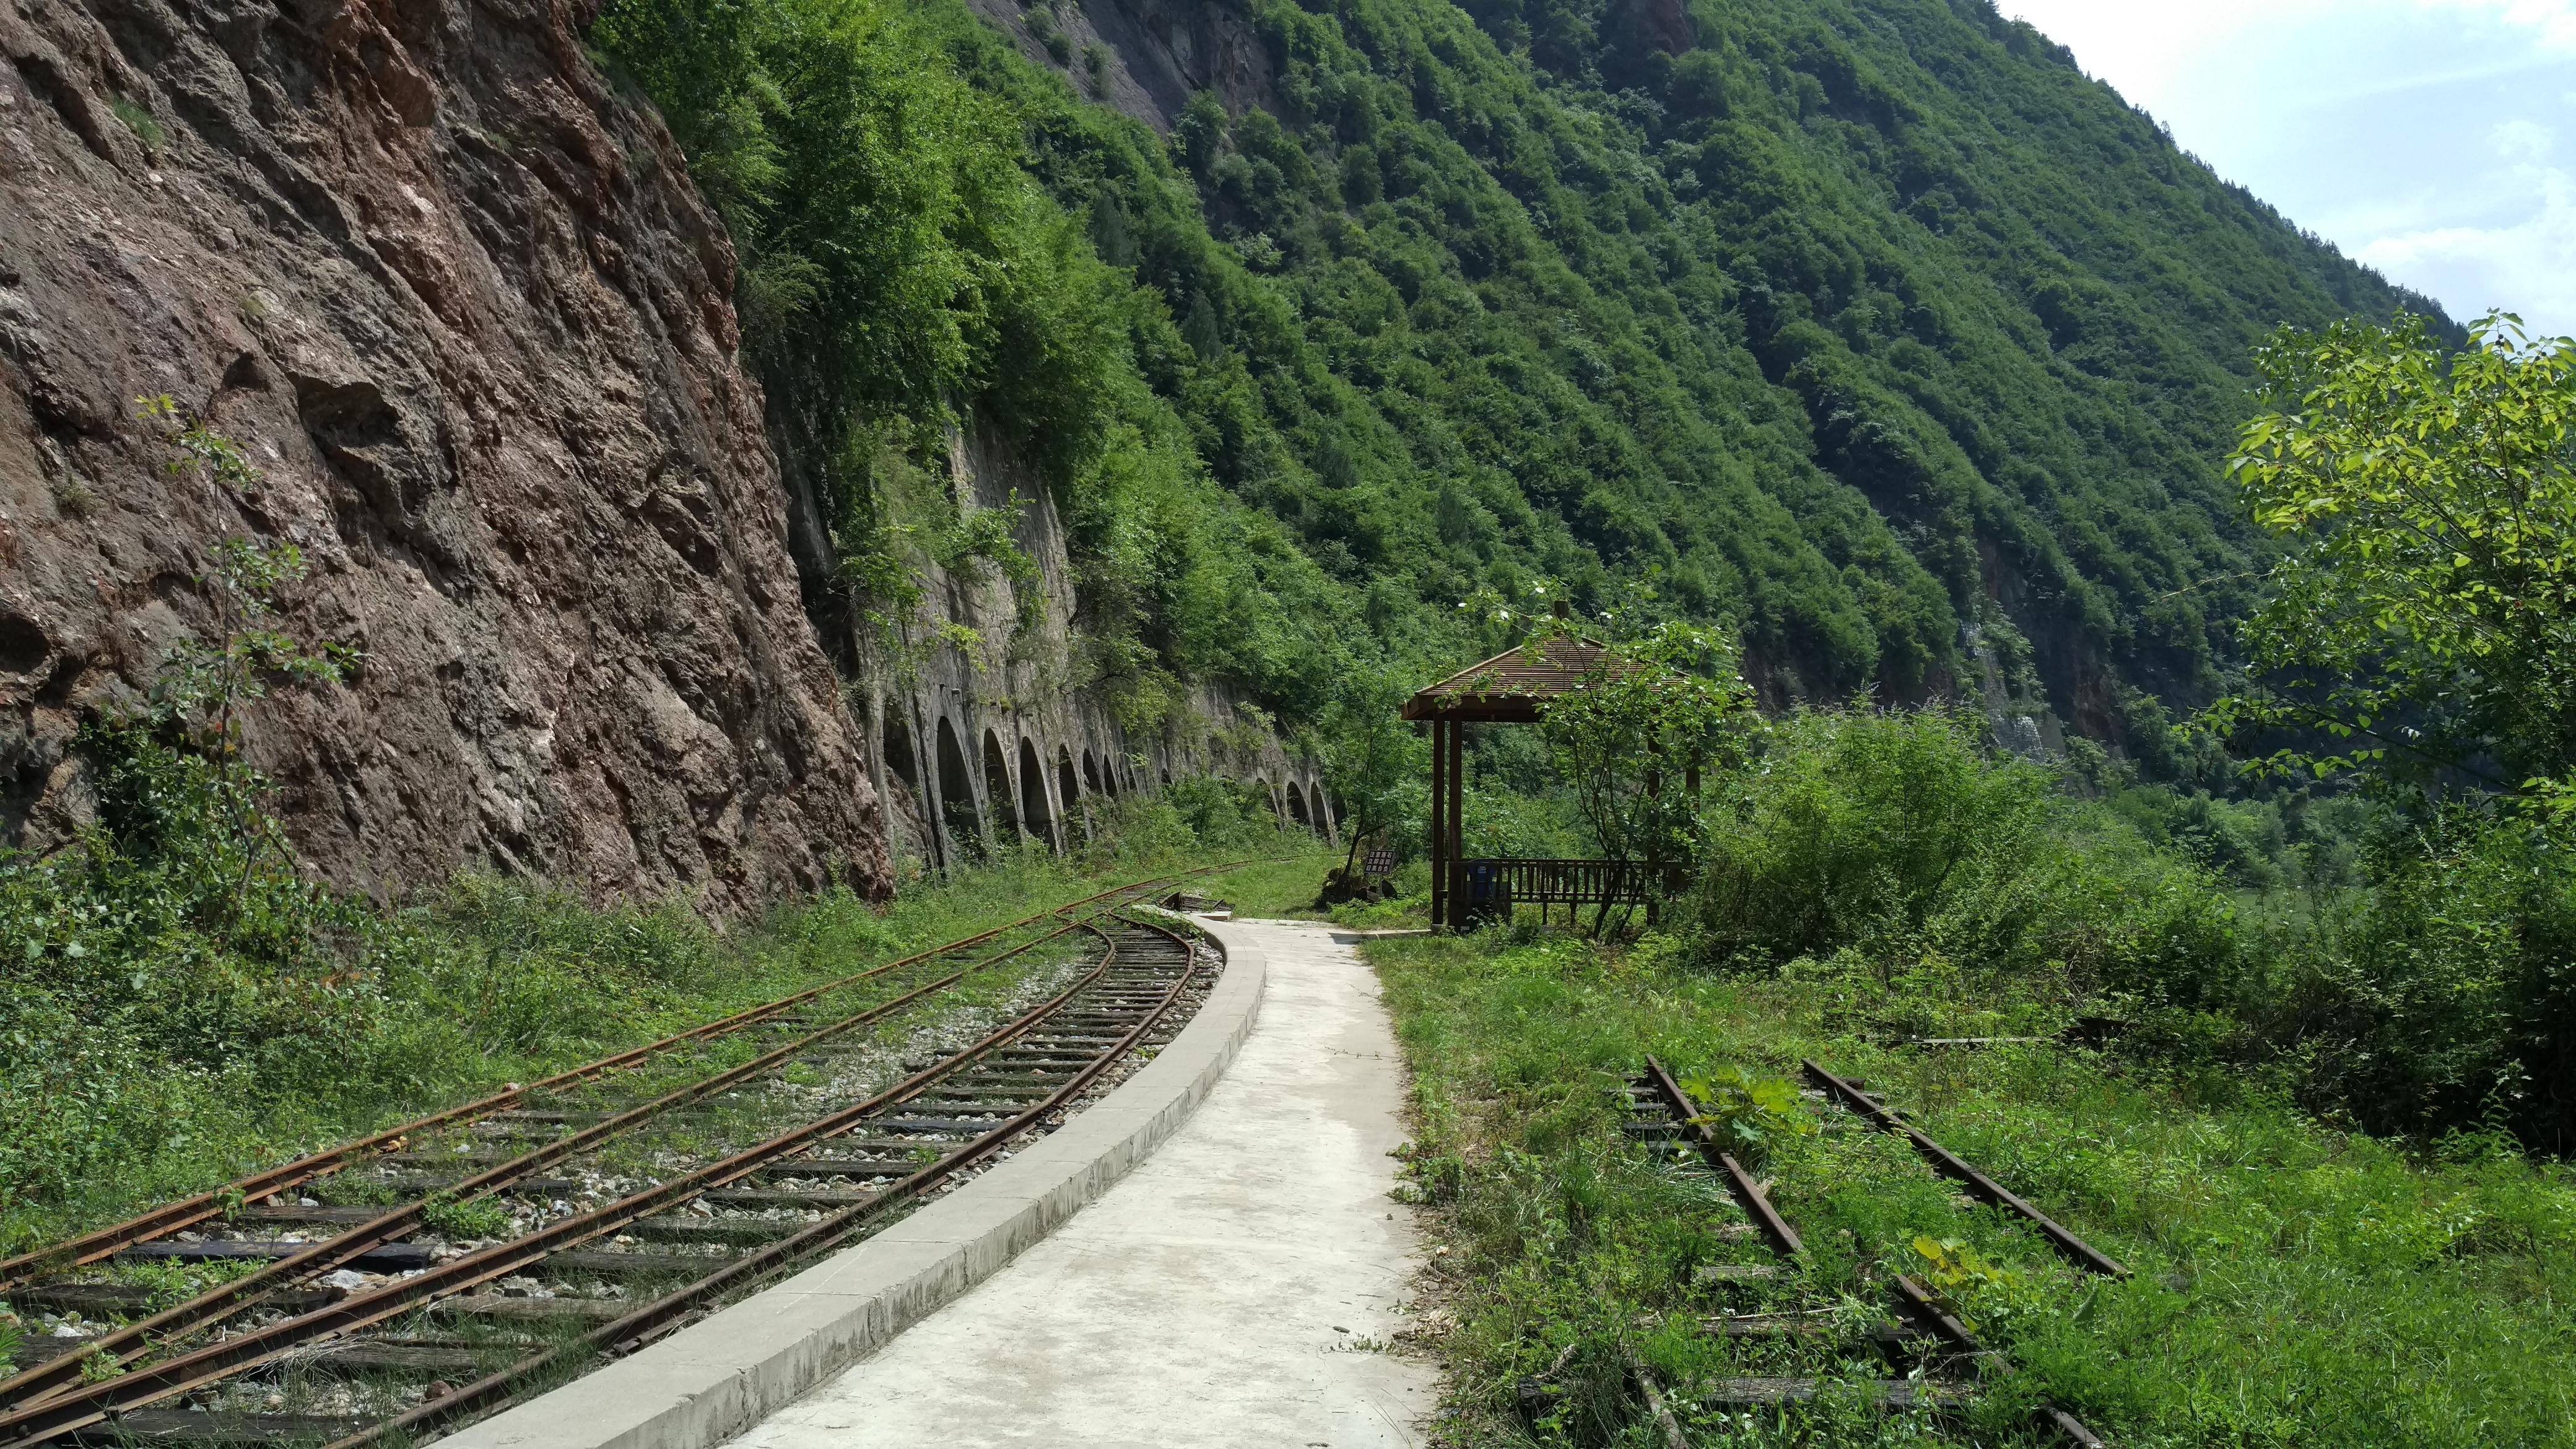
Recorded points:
1938,1359
387,1290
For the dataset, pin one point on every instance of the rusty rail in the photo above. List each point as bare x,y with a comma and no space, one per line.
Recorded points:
92,1403
659,1317
1917,1301
121,1346
188,1212
1748,1193
1949,1164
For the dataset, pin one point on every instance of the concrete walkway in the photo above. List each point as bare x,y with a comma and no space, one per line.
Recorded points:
1213,1296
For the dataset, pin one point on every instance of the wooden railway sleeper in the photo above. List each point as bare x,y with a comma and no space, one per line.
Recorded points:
1919,1305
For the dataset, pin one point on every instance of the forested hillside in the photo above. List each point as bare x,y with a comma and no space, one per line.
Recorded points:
395,622
1849,322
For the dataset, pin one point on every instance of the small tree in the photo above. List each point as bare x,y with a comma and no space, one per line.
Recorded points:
1374,763
206,687
175,777
1635,736
2426,610
891,536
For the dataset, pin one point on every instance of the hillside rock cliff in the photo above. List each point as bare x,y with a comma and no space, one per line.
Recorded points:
474,327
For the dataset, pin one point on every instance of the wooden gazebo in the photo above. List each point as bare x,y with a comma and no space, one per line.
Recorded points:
1506,689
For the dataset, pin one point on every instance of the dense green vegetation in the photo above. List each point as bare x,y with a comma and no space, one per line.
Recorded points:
2425,611
2283,1057
1847,325
2279,1057
2405,976
1872,332
903,269
2293,1284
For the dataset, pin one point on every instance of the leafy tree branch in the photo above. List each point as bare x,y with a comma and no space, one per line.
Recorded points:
2425,611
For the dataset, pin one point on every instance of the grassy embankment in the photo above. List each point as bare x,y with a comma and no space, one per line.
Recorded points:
488,982
2293,1284
2297,1281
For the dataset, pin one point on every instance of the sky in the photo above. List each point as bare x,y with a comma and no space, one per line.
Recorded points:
2432,139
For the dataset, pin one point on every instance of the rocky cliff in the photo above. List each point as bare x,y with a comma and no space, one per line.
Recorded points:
460,304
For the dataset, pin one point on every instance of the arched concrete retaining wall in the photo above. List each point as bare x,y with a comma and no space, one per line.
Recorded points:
1018,686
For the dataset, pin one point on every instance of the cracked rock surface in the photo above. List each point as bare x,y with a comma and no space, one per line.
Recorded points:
457,300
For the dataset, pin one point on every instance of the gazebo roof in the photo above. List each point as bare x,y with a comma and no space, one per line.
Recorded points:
1508,688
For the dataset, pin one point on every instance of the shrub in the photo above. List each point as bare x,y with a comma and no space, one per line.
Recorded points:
2434,993
2444,997
1895,844
1221,814
1857,829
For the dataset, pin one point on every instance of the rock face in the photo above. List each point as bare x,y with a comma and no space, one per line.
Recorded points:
1158,52
458,301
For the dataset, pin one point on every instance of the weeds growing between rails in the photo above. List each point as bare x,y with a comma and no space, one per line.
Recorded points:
2293,1284
150,1047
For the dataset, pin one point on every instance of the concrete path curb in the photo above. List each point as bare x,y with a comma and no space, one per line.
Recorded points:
1235,1291
715,1379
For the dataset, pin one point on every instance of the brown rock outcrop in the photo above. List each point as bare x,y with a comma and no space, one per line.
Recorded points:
459,301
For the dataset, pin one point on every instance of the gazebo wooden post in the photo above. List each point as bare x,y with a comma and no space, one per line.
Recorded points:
1439,822
1457,825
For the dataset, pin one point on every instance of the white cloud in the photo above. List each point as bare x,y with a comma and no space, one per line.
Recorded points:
2527,267
2553,22
2526,141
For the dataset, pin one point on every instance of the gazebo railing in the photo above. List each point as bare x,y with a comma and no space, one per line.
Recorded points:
1501,883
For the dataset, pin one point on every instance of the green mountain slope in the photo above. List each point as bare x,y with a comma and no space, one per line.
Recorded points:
1872,327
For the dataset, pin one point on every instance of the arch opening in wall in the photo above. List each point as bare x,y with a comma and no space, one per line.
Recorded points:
1091,771
997,790
899,752
957,792
1069,791
1035,808
1297,808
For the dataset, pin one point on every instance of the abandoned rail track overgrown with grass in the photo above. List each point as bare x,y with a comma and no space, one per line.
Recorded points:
2288,1282
430,1275
1802,1348
163,1035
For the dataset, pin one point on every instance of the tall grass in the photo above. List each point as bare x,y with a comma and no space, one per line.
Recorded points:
2294,1284
2426,986
149,1054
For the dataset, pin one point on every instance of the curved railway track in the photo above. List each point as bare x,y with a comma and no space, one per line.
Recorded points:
1921,1334
430,1274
